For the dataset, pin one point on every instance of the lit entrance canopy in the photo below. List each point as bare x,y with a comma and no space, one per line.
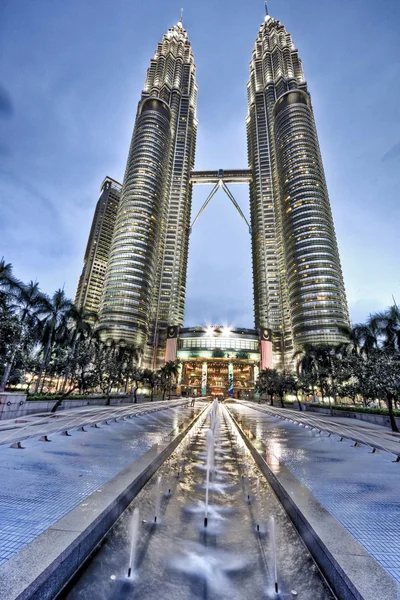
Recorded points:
220,179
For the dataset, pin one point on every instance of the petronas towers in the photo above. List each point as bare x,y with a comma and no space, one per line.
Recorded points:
298,285
144,289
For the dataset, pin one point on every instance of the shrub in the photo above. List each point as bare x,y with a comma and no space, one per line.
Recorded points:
360,409
48,397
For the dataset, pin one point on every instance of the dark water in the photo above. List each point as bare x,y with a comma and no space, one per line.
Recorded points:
178,559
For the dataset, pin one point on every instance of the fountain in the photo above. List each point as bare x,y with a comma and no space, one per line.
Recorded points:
210,468
274,558
134,539
223,566
157,499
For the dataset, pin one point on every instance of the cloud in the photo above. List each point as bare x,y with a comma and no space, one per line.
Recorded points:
30,190
6,103
392,154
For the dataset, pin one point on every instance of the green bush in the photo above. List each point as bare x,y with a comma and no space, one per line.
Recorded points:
360,409
48,397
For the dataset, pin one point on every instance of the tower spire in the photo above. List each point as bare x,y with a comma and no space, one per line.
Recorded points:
181,16
266,8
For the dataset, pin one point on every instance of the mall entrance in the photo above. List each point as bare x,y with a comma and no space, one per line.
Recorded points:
218,377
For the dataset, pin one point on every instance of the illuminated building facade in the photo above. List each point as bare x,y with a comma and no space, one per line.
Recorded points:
298,284
218,361
145,283
299,294
91,281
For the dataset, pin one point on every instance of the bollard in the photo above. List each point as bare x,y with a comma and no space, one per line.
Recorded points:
17,445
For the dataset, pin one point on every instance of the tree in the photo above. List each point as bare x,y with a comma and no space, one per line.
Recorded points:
167,372
28,304
81,369
138,378
324,366
285,382
8,283
267,383
365,336
79,328
383,379
308,367
152,379
56,313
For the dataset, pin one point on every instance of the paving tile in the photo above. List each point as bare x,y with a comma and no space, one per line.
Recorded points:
44,482
359,489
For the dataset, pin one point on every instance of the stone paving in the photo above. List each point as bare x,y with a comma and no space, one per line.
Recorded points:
361,490
370,434
43,482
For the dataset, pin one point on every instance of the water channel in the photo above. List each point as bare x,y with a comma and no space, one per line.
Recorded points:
206,526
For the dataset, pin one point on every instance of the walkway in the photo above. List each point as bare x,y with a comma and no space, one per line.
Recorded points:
359,488
14,430
369,434
44,481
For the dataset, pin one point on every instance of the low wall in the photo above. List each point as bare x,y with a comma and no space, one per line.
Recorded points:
13,406
371,418
351,572
41,569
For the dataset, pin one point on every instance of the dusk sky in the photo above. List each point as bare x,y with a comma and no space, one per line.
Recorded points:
71,73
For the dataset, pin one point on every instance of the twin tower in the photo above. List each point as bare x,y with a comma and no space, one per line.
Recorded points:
299,292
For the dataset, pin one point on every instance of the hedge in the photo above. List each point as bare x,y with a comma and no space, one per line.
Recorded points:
360,409
48,397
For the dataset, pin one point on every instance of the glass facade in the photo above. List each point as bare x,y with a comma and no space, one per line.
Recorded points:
91,281
298,285
218,361
145,284
133,260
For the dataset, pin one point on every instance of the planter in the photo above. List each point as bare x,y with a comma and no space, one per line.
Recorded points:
361,416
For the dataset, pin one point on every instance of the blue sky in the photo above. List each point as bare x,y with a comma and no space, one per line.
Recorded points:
71,76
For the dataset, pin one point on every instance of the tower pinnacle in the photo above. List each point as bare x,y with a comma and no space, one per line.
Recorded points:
180,18
267,15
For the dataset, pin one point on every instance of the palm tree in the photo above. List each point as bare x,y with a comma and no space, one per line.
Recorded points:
388,326
170,369
323,364
79,328
28,305
152,379
365,336
308,364
137,377
7,280
56,313
267,383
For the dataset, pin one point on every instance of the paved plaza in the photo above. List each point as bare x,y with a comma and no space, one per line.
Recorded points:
359,488
44,481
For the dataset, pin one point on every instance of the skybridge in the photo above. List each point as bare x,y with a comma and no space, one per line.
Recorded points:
220,178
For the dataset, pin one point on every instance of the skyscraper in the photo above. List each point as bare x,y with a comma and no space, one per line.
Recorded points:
146,277
91,281
298,285
299,294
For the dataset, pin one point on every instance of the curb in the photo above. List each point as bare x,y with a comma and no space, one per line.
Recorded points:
43,568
